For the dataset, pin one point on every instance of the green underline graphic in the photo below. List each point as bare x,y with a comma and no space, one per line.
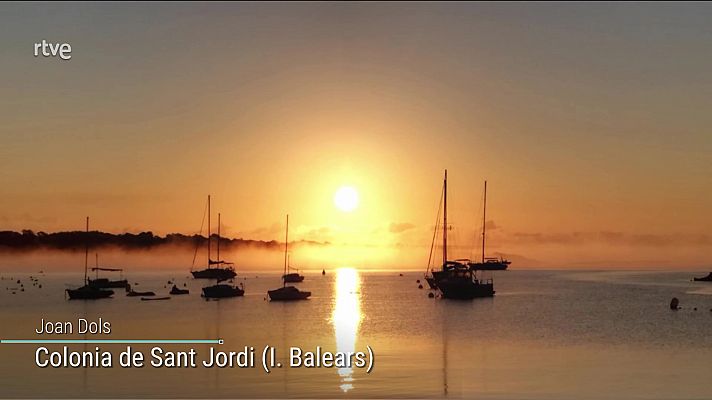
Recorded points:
111,341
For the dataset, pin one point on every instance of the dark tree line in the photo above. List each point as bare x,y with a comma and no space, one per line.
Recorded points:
76,240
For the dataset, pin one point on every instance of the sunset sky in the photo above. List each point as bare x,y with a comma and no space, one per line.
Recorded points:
591,123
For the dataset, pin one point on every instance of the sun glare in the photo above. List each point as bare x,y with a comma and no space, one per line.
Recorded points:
346,199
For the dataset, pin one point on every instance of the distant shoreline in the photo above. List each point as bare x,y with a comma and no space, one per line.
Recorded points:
27,240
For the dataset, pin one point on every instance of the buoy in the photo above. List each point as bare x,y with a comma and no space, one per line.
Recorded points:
674,303
417,281
420,286
694,309
431,295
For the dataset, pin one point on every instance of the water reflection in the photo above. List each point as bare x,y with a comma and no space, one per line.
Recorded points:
346,318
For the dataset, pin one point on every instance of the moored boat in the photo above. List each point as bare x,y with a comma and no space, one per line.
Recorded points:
133,293
456,279
104,283
707,278
287,293
87,291
176,291
222,290
216,269
488,263
292,277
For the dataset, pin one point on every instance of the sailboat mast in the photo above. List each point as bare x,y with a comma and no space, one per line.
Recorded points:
86,255
286,247
218,237
445,220
484,213
208,231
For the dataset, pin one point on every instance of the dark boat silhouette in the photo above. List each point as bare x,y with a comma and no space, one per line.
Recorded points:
155,298
134,293
216,269
176,291
457,279
461,282
488,263
287,293
222,290
491,264
292,277
707,278
104,283
88,292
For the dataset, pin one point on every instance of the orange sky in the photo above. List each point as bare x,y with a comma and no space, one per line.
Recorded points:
588,121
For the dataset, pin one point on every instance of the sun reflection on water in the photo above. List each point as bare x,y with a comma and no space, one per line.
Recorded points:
346,318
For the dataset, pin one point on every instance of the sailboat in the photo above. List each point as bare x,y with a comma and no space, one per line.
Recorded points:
287,293
488,263
221,290
456,280
104,283
216,269
707,278
292,277
88,292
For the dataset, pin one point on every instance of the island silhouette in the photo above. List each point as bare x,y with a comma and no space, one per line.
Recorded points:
28,240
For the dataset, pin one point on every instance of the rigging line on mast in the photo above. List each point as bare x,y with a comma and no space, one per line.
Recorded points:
435,231
200,233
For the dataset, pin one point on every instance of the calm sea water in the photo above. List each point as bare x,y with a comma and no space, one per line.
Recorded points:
545,335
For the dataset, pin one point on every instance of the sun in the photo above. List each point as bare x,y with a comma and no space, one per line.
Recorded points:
346,199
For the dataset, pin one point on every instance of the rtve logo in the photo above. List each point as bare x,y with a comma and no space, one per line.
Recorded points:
61,50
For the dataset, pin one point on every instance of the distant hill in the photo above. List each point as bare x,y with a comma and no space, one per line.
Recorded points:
71,241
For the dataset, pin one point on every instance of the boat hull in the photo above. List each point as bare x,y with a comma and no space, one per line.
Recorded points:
138,294
288,293
102,283
293,278
222,291
465,289
89,293
490,266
